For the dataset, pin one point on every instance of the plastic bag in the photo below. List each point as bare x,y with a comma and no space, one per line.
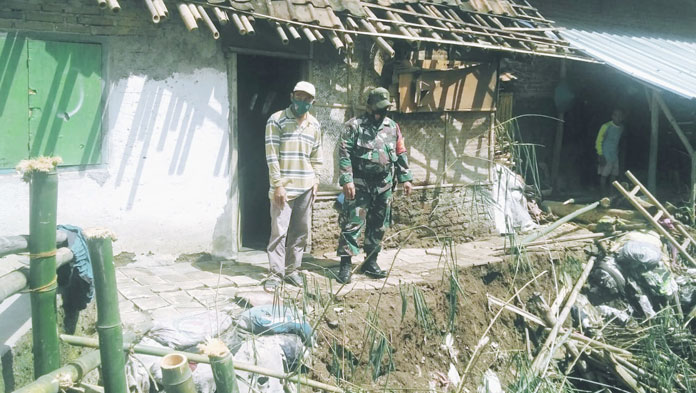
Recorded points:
608,276
190,330
639,255
660,282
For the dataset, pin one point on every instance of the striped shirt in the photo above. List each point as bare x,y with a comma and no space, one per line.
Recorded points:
293,152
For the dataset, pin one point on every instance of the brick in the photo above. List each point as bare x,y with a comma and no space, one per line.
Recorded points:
96,20
45,17
11,14
75,28
150,303
36,25
7,23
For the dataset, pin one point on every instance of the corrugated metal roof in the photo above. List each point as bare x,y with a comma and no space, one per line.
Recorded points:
667,63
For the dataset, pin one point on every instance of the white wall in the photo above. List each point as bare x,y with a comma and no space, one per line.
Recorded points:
164,185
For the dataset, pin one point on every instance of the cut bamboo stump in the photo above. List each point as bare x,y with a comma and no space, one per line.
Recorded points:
108,318
70,373
176,374
43,202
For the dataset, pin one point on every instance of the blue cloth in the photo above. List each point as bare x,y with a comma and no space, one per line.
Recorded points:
76,279
276,319
610,145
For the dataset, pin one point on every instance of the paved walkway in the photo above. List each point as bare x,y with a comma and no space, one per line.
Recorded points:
153,287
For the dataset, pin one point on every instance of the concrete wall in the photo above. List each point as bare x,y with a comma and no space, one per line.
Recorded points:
442,149
165,180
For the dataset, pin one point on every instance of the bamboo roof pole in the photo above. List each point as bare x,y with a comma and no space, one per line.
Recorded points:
101,4
335,40
426,26
176,374
99,243
43,202
281,33
427,11
16,281
113,6
238,24
209,22
247,24
403,30
381,42
308,33
155,15
415,31
320,37
187,17
380,26
348,40
72,372
293,32
161,8
221,16
196,358
194,12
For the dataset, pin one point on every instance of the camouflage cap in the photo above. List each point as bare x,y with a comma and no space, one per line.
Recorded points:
378,98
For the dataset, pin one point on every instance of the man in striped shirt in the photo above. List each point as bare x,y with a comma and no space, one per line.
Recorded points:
293,155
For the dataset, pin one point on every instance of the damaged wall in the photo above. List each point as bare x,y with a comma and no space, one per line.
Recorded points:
450,148
164,179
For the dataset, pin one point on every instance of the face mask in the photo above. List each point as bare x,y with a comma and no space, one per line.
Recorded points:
300,107
378,116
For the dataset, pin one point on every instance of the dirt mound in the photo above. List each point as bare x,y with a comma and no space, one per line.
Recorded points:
396,338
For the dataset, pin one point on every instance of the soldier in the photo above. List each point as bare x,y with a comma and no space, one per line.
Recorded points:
372,156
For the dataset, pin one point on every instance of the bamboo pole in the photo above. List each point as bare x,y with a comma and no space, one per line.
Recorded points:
16,281
221,16
247,25
18,244
187,17
176,374
108,318
70,373
281,33
348,40
42,270
294,33
161,8
194,11
534,236
222,363
113,6
545,353
153,10
320,37
238,24
161,351
335,41
101,3
308,33
209,22
381,42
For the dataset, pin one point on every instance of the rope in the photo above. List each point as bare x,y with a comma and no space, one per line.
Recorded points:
45,254
45,288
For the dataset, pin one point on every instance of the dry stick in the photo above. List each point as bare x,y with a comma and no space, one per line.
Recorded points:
485,333
544,355
576,336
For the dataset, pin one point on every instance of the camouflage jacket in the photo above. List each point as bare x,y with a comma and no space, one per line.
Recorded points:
372,155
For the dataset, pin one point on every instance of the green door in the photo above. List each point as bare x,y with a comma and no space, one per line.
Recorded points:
64,101
14,100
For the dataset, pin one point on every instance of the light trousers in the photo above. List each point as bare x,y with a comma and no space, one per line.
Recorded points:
289,231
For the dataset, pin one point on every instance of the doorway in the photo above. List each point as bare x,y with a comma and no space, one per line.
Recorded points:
264,85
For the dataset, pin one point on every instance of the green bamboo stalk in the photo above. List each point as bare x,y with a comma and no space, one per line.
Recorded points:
176,374
108,319
43,202
16,281
194,357
222,363
70,373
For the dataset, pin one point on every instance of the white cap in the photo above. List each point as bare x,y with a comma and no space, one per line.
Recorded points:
305,87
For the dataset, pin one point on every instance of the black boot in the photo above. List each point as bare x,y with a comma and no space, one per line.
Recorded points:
343,276
371,269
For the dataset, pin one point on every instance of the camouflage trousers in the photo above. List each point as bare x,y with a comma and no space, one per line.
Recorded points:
370,210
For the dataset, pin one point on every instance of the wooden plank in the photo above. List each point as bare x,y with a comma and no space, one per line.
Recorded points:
634,191
654,223
675,125
652,158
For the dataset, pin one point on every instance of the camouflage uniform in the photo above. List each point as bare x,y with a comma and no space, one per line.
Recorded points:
370,156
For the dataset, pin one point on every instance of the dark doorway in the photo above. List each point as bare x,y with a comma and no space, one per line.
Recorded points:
263,87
